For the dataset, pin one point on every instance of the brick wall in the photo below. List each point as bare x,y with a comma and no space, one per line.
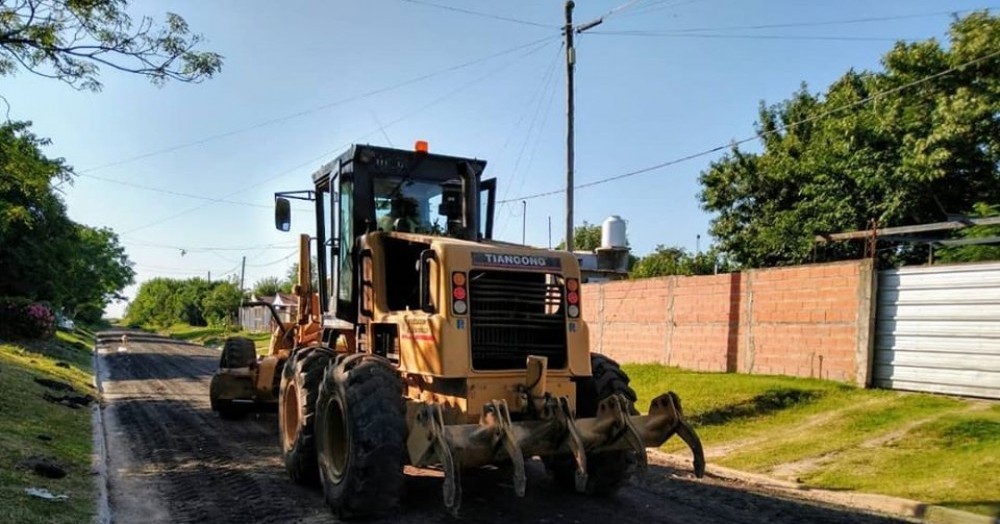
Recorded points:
806,321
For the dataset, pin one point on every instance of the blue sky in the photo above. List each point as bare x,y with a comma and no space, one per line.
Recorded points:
303,80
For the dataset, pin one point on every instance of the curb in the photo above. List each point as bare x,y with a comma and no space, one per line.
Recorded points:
100,465
885,504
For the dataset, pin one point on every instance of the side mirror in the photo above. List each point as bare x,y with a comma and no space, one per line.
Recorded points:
282,214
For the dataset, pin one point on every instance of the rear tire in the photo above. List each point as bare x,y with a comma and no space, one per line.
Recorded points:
361,436
297,394
238,352
610,470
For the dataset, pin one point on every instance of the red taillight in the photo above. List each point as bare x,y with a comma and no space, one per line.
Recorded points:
573,298
459,293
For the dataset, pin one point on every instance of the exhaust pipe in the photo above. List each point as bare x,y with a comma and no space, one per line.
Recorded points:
470,200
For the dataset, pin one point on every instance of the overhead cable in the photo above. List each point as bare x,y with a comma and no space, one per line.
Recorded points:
757,136
311,110
539,45
480,14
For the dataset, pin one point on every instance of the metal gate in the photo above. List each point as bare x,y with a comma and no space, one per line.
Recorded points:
938,329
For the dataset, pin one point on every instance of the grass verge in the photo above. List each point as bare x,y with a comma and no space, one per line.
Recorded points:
931,448
32,427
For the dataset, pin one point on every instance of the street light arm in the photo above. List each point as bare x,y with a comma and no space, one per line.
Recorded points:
589,25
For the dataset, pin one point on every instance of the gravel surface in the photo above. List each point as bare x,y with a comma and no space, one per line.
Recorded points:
171,459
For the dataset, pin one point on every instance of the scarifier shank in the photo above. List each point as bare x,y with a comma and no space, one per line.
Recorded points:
556,432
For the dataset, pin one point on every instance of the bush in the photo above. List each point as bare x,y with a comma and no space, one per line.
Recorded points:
23,318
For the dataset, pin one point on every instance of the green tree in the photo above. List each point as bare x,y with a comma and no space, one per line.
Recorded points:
155,304
671,260
96,273
221,304
662,261
30,212
268,286
585,238
71,40
187,302
836,161
45,255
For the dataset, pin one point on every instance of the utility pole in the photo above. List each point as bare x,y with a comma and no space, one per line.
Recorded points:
550,231
243,271
209,277
570,62
524,220
568,31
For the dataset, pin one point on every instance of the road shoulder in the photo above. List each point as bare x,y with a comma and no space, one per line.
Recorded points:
881,504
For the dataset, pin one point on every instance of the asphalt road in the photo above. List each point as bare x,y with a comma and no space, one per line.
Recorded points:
171,459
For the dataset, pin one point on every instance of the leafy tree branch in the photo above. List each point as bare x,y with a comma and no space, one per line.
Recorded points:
70,40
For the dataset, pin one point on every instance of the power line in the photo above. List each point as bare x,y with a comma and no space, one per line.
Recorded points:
541,93
825,22
657,6
182,194
205,249
756,136
481,14
753,37
278,261
621,8
539,45
315,109
182,271
170,192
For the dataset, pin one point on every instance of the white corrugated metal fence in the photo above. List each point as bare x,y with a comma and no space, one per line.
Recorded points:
938,329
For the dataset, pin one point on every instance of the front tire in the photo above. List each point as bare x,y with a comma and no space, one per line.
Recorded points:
608,471
297,395
361,436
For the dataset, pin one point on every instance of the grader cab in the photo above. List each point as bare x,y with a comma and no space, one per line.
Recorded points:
428,343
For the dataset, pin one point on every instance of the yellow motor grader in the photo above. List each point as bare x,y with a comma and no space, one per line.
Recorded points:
428,343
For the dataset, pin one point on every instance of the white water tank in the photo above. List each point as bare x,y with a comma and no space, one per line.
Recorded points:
613,233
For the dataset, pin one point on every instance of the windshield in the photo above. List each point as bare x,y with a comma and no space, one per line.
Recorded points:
409,206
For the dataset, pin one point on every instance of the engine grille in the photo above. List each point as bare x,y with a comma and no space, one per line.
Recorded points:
513,315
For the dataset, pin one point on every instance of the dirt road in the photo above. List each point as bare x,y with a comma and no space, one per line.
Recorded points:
172,460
